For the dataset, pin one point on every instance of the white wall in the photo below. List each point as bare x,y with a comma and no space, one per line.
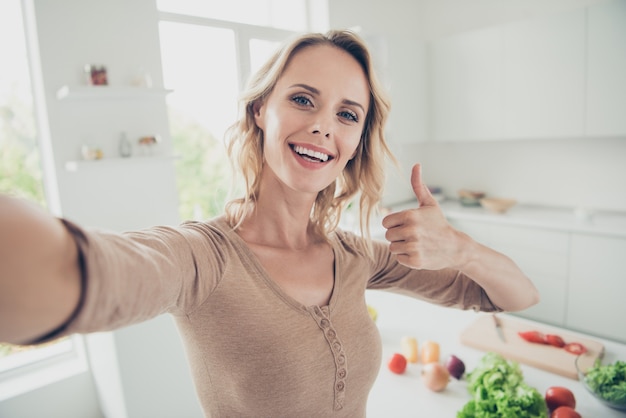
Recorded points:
124,37
446,17
74,397
588,172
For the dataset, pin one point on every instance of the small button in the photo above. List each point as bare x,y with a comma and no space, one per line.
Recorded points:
325,323
341,373
337,346
341,359
331,334
340,386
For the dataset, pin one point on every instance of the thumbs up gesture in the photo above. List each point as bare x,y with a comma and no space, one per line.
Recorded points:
422,238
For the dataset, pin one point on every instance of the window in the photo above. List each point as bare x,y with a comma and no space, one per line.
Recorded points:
21,174
208,50
20,169
260,51
203,103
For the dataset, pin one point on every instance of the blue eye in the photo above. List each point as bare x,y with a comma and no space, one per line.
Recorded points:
301,100
349,115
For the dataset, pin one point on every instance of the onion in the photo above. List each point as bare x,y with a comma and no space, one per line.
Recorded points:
435,376
455,366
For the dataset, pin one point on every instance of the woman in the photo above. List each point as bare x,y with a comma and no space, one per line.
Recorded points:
269,298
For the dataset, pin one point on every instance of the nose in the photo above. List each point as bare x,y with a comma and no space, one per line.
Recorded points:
322,124
318,132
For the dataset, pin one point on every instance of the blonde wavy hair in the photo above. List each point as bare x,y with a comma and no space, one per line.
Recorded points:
363,174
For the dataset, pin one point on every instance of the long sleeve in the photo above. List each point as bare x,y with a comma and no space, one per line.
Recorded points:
134,276
442,287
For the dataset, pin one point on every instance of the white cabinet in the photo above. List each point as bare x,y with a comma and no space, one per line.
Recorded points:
466,74
597,286
541,254
521,80
606,69
557,76
544,73
581,277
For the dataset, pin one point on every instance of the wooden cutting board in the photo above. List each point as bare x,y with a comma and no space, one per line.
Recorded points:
481,334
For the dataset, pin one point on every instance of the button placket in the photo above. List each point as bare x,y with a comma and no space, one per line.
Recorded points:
336,349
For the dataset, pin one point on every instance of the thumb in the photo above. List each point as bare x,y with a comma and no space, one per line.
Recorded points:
419,188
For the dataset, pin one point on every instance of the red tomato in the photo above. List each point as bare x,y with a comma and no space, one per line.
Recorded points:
532,336
555,340
397,363
557,396
565,412
575,348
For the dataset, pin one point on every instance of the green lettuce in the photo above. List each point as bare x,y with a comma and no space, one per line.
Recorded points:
608,381
498,391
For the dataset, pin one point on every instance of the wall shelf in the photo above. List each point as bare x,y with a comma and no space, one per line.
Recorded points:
76,165
108,92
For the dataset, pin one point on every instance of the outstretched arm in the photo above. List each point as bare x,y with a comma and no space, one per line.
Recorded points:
422,238
40,283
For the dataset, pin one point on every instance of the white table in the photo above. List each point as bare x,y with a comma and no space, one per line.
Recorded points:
404,396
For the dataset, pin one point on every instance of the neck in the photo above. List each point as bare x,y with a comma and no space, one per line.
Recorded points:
281,218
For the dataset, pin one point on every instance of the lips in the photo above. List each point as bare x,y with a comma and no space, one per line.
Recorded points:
311,154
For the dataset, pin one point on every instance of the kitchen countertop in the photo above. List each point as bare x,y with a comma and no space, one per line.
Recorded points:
562,219
405,396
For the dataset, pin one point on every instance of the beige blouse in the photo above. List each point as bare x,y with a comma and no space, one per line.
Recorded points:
254,351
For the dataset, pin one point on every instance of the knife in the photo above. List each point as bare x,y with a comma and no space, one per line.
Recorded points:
499,330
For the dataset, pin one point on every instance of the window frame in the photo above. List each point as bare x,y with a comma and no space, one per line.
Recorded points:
39,367
316,18
243,34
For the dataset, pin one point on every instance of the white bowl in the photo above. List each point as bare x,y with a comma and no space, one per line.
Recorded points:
497,205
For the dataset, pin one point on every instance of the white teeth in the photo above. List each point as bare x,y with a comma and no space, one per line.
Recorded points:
315,154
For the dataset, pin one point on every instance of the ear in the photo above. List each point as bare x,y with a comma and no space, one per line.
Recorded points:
257,111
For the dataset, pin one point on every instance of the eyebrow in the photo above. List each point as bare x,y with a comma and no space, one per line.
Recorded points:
317,92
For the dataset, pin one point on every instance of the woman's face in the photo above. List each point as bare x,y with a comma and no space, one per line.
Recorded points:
314,117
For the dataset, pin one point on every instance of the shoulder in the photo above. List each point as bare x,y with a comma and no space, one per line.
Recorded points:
215,228
216,233
357,245
349,241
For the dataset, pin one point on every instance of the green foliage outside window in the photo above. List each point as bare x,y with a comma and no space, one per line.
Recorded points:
203,173
20,167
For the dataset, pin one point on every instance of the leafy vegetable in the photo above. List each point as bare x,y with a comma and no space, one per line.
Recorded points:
608,381
499,391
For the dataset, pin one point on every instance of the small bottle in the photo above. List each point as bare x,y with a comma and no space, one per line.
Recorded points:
125,147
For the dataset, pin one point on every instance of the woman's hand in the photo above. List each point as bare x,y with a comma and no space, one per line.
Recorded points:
422,238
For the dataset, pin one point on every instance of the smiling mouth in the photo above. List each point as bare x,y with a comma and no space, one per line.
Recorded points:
311,155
